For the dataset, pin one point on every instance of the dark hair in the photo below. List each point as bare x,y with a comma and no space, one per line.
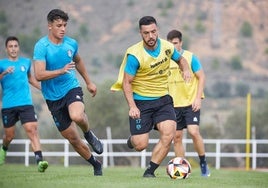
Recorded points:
174,34
10,38
147,20
57,14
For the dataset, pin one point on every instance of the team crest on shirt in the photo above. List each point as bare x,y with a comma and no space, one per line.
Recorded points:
22,68
168,52
70,53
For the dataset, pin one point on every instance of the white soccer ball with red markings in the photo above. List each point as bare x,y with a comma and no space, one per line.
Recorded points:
178,168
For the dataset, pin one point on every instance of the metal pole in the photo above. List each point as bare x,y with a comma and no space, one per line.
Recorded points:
248,132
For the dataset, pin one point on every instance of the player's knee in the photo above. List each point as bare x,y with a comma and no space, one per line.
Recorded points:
74,141
77,117
195,134
9,137
139,146
178,139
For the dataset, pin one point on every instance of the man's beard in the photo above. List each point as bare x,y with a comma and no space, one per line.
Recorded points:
151,43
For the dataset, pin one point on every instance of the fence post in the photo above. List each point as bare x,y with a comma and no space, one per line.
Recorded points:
105,154
27,152
66,153
143,158
218,154
254,154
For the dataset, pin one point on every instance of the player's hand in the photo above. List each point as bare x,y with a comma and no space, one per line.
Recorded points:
70,66
134,112
187,76
196,105
10,70
92,89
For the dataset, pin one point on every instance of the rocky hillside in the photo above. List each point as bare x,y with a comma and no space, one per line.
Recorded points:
211,28
111,26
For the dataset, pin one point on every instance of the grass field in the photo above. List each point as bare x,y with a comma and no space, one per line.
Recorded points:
19,176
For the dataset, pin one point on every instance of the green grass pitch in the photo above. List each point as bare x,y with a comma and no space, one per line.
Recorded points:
19,176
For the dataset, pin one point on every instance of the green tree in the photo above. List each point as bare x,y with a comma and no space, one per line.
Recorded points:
108,109
246,30
242,89
236,63
27,41
221,89
235,126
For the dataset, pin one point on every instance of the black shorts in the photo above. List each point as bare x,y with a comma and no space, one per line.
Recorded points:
186,116
10,116
59,108
152,112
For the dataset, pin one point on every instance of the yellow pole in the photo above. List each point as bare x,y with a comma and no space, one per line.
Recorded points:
248,132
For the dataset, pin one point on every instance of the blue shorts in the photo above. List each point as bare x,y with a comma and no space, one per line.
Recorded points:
59,108
152,112
186,116
10,116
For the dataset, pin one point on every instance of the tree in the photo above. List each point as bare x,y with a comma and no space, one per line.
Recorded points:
242,89
108,109
221,89
246,30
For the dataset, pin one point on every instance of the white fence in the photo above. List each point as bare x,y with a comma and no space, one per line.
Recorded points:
108,153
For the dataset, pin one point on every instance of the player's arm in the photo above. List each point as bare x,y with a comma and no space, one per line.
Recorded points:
33,81
201,83
3,74
200,75
42,74
132,65
81,68
134,112
200,89
7,71
183,65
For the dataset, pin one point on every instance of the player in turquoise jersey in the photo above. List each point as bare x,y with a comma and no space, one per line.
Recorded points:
17,100
56,62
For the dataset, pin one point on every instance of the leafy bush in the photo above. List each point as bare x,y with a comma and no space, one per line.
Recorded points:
246,30
221,89
242,89
200,28
236,63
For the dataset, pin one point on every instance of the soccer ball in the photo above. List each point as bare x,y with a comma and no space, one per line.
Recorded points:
178,168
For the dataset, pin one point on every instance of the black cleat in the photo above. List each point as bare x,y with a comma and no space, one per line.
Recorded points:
95,143
148,175
98,171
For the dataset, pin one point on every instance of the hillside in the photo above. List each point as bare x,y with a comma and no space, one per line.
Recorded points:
112,27
211,27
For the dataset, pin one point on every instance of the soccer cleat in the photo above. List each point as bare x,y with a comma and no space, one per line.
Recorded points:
98,170
129,144
95,143
3,154
204,170
148,175
42,166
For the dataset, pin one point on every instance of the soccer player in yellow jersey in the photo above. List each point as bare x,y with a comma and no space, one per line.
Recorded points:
187,99
143,76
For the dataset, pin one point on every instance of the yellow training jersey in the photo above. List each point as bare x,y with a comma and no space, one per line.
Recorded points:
151,77
183,93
